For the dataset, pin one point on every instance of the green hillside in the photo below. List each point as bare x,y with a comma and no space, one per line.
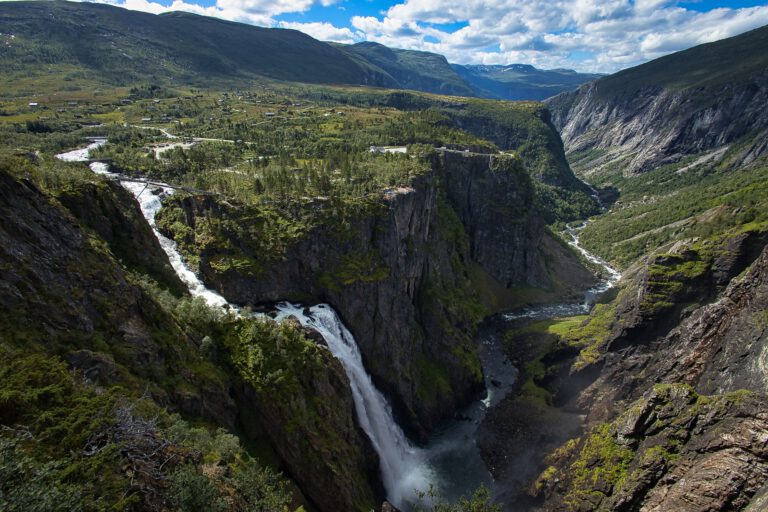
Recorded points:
81,42
708,65
122,46
421,71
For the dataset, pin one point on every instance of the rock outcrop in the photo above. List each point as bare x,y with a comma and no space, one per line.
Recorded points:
527,130
110,212
673,450
676,393
493,200
309,416
716,347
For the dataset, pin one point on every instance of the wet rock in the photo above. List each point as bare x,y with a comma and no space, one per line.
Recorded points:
388,507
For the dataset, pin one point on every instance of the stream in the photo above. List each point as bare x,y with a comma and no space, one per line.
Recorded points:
450,461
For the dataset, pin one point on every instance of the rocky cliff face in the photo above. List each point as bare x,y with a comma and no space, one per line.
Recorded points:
684,325
399,272
673,450
668,368
656,125
494,204
63,288
688,327
307,412
527,130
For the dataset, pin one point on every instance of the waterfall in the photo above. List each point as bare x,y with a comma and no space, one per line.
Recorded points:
82,154
403,467
149,198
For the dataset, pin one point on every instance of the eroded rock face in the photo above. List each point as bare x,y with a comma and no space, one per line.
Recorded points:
493,198
717,347
723,346
673,450
316,434
660,125
676,415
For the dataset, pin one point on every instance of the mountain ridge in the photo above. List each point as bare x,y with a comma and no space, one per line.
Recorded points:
660,112
520,81
120,46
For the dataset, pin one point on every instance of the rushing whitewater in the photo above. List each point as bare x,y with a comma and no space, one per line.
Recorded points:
149,199
610,277
82,154
150,202
402,465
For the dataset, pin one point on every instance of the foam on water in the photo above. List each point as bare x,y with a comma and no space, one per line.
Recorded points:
402,465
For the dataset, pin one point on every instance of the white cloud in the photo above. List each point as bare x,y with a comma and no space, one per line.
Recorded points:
255,12
322,31
589,35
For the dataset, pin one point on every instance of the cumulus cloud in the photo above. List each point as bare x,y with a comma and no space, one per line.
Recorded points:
255,12
589,35
322,31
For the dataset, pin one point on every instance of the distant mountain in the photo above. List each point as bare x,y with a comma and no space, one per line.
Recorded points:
520,81
701,99
123,46
422,71
120,47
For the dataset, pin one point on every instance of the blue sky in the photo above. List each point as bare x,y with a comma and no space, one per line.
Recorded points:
586,35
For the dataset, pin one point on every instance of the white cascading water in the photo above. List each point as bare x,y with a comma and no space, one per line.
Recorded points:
149,199
403,467
82,154
150,202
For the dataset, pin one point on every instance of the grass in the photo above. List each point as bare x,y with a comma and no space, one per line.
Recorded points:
663,205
